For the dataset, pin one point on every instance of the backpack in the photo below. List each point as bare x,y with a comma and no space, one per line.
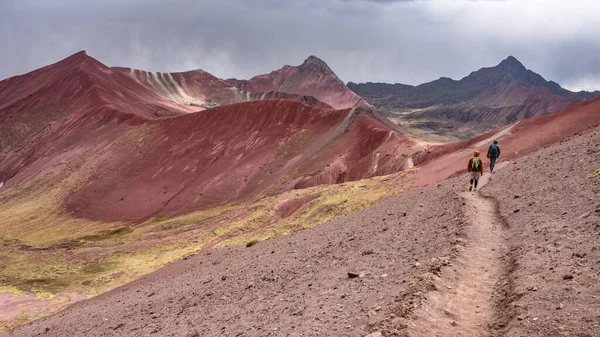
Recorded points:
494,150
475,163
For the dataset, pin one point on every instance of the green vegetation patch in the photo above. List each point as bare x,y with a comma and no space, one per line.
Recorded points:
108,234
46,252
160,218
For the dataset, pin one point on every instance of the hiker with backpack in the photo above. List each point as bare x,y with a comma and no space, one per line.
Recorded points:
493,154
475,168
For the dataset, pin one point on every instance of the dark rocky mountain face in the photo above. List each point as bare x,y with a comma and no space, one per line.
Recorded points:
485,99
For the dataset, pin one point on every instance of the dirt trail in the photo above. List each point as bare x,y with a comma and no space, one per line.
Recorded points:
465,300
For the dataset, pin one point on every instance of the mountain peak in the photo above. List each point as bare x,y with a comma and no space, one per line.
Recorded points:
80,55
511,59
313,63
512,65
312,59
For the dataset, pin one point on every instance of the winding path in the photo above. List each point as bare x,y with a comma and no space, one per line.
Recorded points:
465,300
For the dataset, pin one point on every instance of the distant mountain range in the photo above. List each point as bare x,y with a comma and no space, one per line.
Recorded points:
485,99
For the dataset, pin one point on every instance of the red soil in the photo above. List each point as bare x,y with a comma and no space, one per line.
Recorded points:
380,151
129,165
310,100
288,207
521,138
231,153
137,166
70,100
202,90
200,160
81,83
312,78
291,285
186,86
416,253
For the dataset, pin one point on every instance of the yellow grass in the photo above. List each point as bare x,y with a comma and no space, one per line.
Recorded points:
102,255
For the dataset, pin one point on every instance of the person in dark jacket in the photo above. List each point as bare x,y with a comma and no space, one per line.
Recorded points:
493,154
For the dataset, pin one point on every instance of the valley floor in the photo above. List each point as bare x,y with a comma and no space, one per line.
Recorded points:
429,130
521,257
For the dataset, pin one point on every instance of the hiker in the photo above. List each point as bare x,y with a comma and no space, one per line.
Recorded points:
476,169
493,154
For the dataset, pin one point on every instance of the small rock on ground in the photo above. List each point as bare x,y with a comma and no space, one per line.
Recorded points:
375,334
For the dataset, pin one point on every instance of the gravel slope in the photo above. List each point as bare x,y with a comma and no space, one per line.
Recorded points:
293,285
298,284
552,209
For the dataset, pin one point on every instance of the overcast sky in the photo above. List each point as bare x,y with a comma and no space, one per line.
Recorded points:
362,40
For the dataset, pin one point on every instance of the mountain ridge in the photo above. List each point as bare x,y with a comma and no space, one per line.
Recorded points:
313,82
509,65
312,78
486,98
66,104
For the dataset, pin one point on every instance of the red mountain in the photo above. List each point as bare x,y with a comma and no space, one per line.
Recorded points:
311,78
82,141
72,92
433,225
313,83
129,164
201,90
516,140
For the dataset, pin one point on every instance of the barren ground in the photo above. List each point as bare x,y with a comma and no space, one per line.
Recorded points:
464,300
291,285
550,201
519,258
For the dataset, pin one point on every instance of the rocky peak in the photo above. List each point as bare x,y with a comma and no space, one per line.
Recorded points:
81,61
77,57
511,63
313,63
512,66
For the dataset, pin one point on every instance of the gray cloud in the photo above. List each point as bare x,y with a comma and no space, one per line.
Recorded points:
362,40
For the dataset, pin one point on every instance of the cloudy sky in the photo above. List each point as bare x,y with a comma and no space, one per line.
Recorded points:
362,40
